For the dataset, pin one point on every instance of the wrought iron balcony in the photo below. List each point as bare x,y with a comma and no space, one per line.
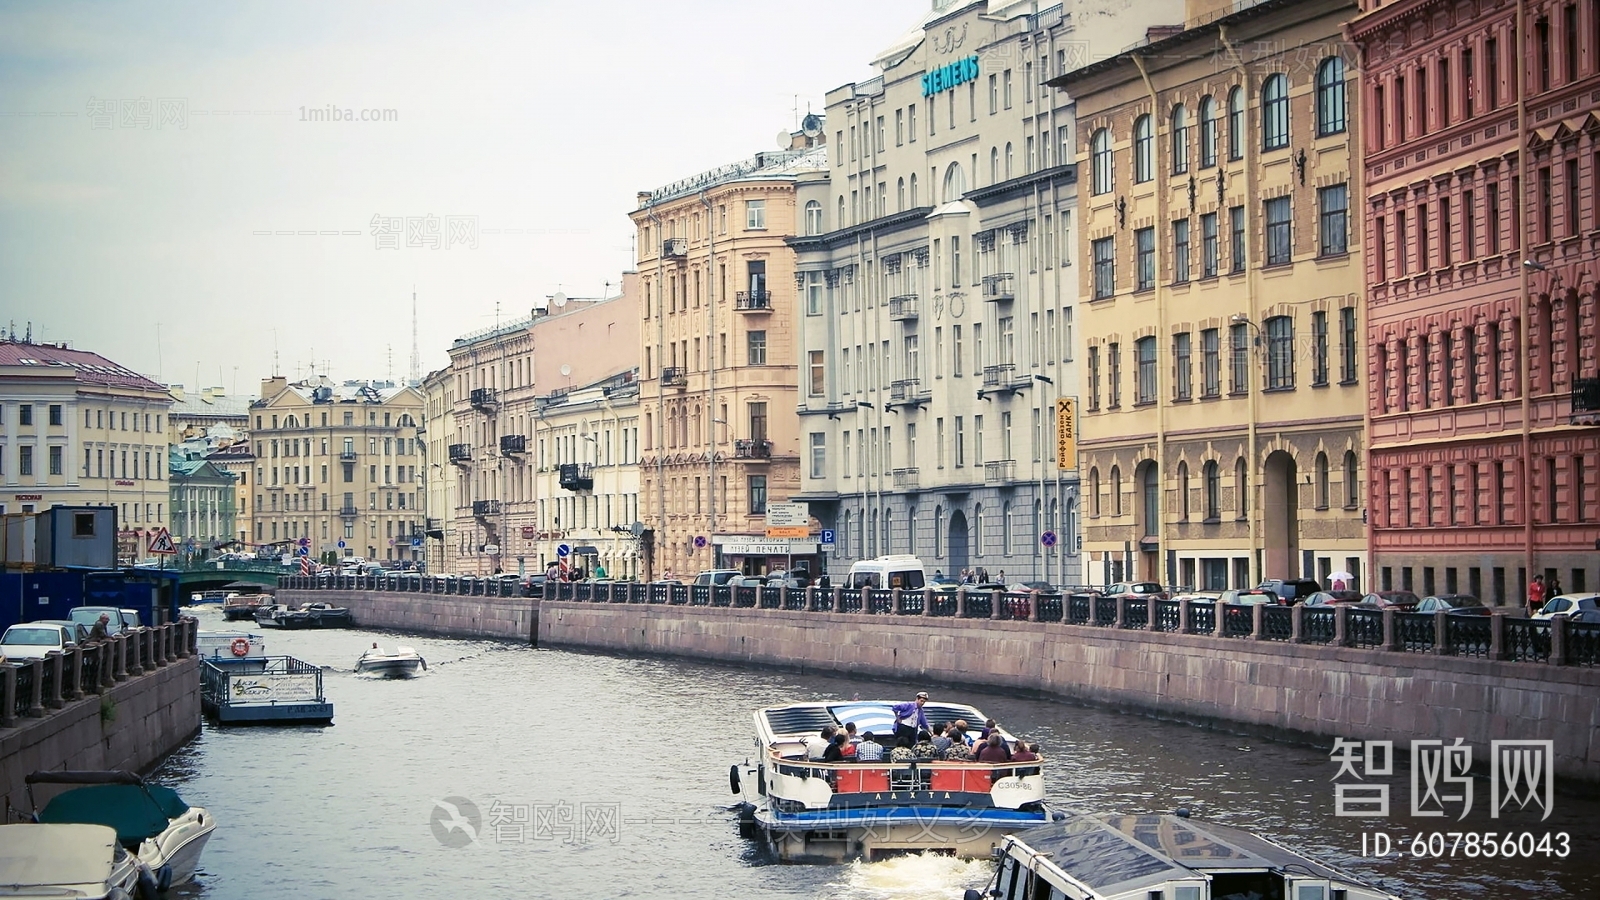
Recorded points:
908,390
1000,286
1586,401
673,376
485,399
753,301
905,478
460,453
576,476
1000,471
675,248
752,449
513,443
1004,377
347,456
348,512
903,308
484,509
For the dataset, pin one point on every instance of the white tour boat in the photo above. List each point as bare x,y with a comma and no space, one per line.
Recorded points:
810,811
167,834
403,662
1119,857
82,862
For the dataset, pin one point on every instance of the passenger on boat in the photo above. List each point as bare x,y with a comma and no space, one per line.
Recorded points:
909,718
959,752
961,732
816,746
924,749
869,750
989,725
1025,752
850,739
942,739
902,752
994,750
834,752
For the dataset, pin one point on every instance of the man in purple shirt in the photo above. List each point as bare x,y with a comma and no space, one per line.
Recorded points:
909,718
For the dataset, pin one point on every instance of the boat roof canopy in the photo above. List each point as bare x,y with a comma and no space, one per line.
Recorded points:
135,811
876,716
53,855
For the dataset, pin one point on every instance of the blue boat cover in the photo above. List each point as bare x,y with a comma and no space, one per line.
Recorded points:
136,812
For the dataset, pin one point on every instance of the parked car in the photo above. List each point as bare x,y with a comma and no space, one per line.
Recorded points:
1334,598
1251,597
75,632
1400,600
33,640
1147,589
1585,617
799,579
122,620
1290,590
943,583
1205,596
1022,587
1455,604
713,576
1567,604
533,583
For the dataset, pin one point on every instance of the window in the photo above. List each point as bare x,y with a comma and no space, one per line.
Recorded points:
1445,228
56,464
25,416
1183,386
1145,245
1347,345
1236,228
755,214
1275,112
25,459
1330,97
1210,363
814,293
1143,150
758,495
1105,268
1094,377
1492,220
1180,140
1279,239
819,454
1239,350
1006,80
1280,353
961,441
1208,132
1145,388
1333,205
814,363
1213,484
1100,161
813,217
1236,124
1180,251
756,347
1319,348
1208,245
55,412
1114,375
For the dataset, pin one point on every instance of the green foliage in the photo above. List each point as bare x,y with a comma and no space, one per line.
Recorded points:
108,709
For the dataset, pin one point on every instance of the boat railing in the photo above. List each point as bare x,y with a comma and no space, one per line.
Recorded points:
967,776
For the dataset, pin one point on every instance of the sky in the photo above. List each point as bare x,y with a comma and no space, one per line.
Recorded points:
171,199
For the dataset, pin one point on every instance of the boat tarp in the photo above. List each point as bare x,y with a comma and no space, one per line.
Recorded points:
135,811
45,855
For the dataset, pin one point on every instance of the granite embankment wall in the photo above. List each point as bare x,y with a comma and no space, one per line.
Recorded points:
507,618
1302,691
131,724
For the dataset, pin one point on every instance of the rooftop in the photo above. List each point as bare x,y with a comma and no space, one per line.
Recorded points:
89,368
764,165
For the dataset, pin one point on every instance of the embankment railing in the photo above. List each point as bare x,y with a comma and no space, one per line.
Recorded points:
32,688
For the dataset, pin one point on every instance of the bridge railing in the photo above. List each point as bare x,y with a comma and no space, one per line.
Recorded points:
33,688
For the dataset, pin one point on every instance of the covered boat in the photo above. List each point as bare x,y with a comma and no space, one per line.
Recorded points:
810,811
231,646
81,862
151,820
1122,857
243,600
403,662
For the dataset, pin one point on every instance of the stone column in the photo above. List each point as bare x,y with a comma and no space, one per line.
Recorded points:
1258,618
811,599
1152,615
105,666
1033,606
8,696
995,599
838,599
53,661
894,601
1341,626
961,603
72,689
1221,617
36,701
1441,633
119,654
866,600
1122,613
783,596
1497,635
927,601
1297,624
1183,615
1558,641
1389,633
158,640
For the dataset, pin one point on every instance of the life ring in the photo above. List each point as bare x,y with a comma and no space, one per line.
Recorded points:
240,647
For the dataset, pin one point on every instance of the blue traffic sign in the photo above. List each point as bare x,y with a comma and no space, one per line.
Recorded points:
341,545
305,542
563,551
699,541
1048,539
827,537
416,542
305,551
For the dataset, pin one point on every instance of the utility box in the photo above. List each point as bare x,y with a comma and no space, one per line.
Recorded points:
77,536
18,540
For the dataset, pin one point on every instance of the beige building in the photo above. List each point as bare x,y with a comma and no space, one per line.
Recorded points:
77,429
337,465
438,475
1221,434
719,373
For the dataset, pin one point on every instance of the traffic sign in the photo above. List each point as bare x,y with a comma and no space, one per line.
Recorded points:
341,545
305,542
161,543
788,520
827,537
563,551
305,551
1048,539
416,542
699,541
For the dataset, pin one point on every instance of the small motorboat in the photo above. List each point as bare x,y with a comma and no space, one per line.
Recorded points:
402,663
83,862
149,820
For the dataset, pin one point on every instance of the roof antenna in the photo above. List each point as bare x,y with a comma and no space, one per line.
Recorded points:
416,357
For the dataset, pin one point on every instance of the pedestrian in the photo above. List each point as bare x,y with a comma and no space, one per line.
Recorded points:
910,719
599,571
101,630
1536,595
1552,589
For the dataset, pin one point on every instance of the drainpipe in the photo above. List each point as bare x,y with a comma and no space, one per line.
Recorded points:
1161,324
661,392
1250,296
711,378
1524,367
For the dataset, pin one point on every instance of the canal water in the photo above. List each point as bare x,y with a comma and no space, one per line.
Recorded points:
598,776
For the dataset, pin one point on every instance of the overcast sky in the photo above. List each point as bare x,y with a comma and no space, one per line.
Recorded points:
155,156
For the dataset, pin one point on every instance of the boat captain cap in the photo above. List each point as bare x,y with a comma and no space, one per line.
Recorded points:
922,695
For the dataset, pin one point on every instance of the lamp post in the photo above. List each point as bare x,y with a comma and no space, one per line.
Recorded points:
1250,457
1044,461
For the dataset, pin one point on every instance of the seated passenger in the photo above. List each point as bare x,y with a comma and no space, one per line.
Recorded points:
902,752
1025,752
924,749
994,750
834,752
869,750
959,752
961,731
851,739
988,726
942,739
816,746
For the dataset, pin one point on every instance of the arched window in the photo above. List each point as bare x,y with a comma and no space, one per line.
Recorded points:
888,543
994,165
1213,479
1008,159
813,217
1069,532
869,541
1116,490
1275,112
1236,123
1150,500
1094,492
1143,150
1208,132
1352,486
955,182
1330,97
844,536
1100,161
900,195
1241,489
911,530
913,192
840,218
1322,480
1183,491
1180,140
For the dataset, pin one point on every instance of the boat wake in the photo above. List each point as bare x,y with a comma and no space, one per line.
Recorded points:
922,876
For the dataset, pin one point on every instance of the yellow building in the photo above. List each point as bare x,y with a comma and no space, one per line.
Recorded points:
1221,433
438,475
339,466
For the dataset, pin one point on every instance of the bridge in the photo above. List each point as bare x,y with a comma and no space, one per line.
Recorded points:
215,575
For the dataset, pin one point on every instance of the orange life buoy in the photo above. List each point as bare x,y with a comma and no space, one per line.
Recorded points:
240,647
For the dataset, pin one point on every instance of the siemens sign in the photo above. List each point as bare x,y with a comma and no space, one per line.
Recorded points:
949,76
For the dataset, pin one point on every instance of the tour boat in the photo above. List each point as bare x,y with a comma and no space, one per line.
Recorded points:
166,833
402,663
230,646
82,862
808,811
1134,857
243,606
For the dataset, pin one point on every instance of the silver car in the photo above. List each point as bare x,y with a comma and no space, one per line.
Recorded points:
33,641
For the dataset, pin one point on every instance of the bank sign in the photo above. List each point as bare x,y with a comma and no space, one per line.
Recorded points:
950,76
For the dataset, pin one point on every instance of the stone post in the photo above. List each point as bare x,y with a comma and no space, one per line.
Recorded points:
866,600
158,642
1389,632
8,696
811,598
73,687
119,654
1152,614
961,603
36,701
1258,619
1122,613
1221,617
995,599
53,661
1183,615
894,601
1497,635
838,599
1297,624
1441,633
1033,606
927,601
1558,640
191,637
783,596
1341,626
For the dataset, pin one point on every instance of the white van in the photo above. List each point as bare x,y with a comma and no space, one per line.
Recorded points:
902,571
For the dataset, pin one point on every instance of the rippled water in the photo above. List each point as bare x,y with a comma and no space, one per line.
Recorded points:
599,776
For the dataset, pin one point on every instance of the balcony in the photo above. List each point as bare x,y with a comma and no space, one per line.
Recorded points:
1586,401
485,399
903,308
908,391
576,476
348,512
999,287
460,453
1000,471
1004,378
347,456
672,376
752,301
484,509
752,449
513,443
905,479
555,397
675,248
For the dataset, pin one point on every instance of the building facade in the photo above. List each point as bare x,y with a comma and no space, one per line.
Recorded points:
719,368
1221,433
221,423
77,429
337,469
1481,124
203,511
940,295
436,434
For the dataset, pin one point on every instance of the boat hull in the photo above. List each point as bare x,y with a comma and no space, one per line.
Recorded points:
174,854
389,668
841,835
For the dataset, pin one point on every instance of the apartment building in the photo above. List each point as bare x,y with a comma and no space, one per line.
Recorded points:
438,474
1220,325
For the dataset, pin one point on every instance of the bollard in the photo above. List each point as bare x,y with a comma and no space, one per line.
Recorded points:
159,638
8,696
1033,606
838,599
1152,614
894,602
1220,617
961,603
1258,619
866,600
811,598
1389,635
119,655
36,703
1183,615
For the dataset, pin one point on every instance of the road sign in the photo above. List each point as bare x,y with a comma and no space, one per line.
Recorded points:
788,520
491,549
699,541
1048,539
563,551
827,537
416,542
341,545
1066,433
305,551
161,543
305,542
